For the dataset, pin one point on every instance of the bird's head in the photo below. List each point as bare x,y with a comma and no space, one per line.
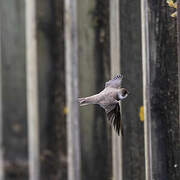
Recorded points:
123,93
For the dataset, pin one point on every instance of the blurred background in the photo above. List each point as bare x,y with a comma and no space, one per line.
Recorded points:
94,69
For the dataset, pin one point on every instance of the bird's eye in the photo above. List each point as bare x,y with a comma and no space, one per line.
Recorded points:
124,93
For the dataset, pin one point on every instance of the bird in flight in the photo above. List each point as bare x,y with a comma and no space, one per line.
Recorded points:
109,99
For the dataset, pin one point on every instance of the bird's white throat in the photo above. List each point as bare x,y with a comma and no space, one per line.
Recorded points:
122,97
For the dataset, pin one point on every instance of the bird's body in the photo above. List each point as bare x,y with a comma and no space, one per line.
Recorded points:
105,97
109,100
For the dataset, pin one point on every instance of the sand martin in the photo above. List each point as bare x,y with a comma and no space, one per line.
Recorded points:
109,99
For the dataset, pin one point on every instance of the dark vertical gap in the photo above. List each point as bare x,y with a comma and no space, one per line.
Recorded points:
177,135
57,141
131,68
53,133
101,139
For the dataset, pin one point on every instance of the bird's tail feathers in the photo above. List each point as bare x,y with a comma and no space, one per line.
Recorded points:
83,101
86,100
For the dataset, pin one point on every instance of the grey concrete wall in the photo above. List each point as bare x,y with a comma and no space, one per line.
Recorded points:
94,70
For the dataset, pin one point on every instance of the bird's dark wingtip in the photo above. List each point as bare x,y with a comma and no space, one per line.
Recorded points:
119,76
114,117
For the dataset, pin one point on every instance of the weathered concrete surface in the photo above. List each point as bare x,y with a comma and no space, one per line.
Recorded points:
164,92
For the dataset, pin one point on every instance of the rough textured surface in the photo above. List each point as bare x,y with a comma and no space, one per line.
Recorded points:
164,92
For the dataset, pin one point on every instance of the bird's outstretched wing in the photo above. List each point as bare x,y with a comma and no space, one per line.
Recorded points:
115,82
114,116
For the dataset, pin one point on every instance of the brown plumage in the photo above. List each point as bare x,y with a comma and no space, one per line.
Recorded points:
109,100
